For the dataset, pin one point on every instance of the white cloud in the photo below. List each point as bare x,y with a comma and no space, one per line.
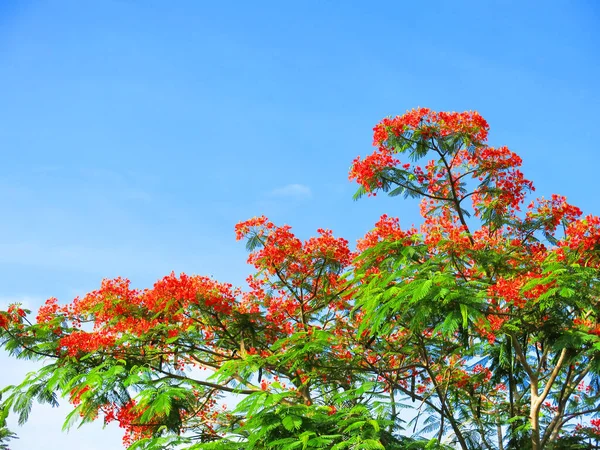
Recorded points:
295,190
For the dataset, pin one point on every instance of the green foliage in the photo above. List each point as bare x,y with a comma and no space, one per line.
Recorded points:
6,435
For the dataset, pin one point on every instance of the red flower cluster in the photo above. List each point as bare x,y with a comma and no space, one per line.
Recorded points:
4,320
128,417
554,211
48,311
418,124
79,342
258,224
365,170
443,179
12,316
583,234
442,124
119,312
386,228
509,291
509,186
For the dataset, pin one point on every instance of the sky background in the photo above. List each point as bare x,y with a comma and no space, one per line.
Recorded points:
135,134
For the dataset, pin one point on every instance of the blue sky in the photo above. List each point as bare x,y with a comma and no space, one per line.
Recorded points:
135,134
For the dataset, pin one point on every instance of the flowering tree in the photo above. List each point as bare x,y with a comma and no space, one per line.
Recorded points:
483,323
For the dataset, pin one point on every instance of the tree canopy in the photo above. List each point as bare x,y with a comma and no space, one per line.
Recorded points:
478,330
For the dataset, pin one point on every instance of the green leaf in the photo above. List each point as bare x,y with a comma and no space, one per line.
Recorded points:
464,311
421,291
566,292
374,424
292,422
72,418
